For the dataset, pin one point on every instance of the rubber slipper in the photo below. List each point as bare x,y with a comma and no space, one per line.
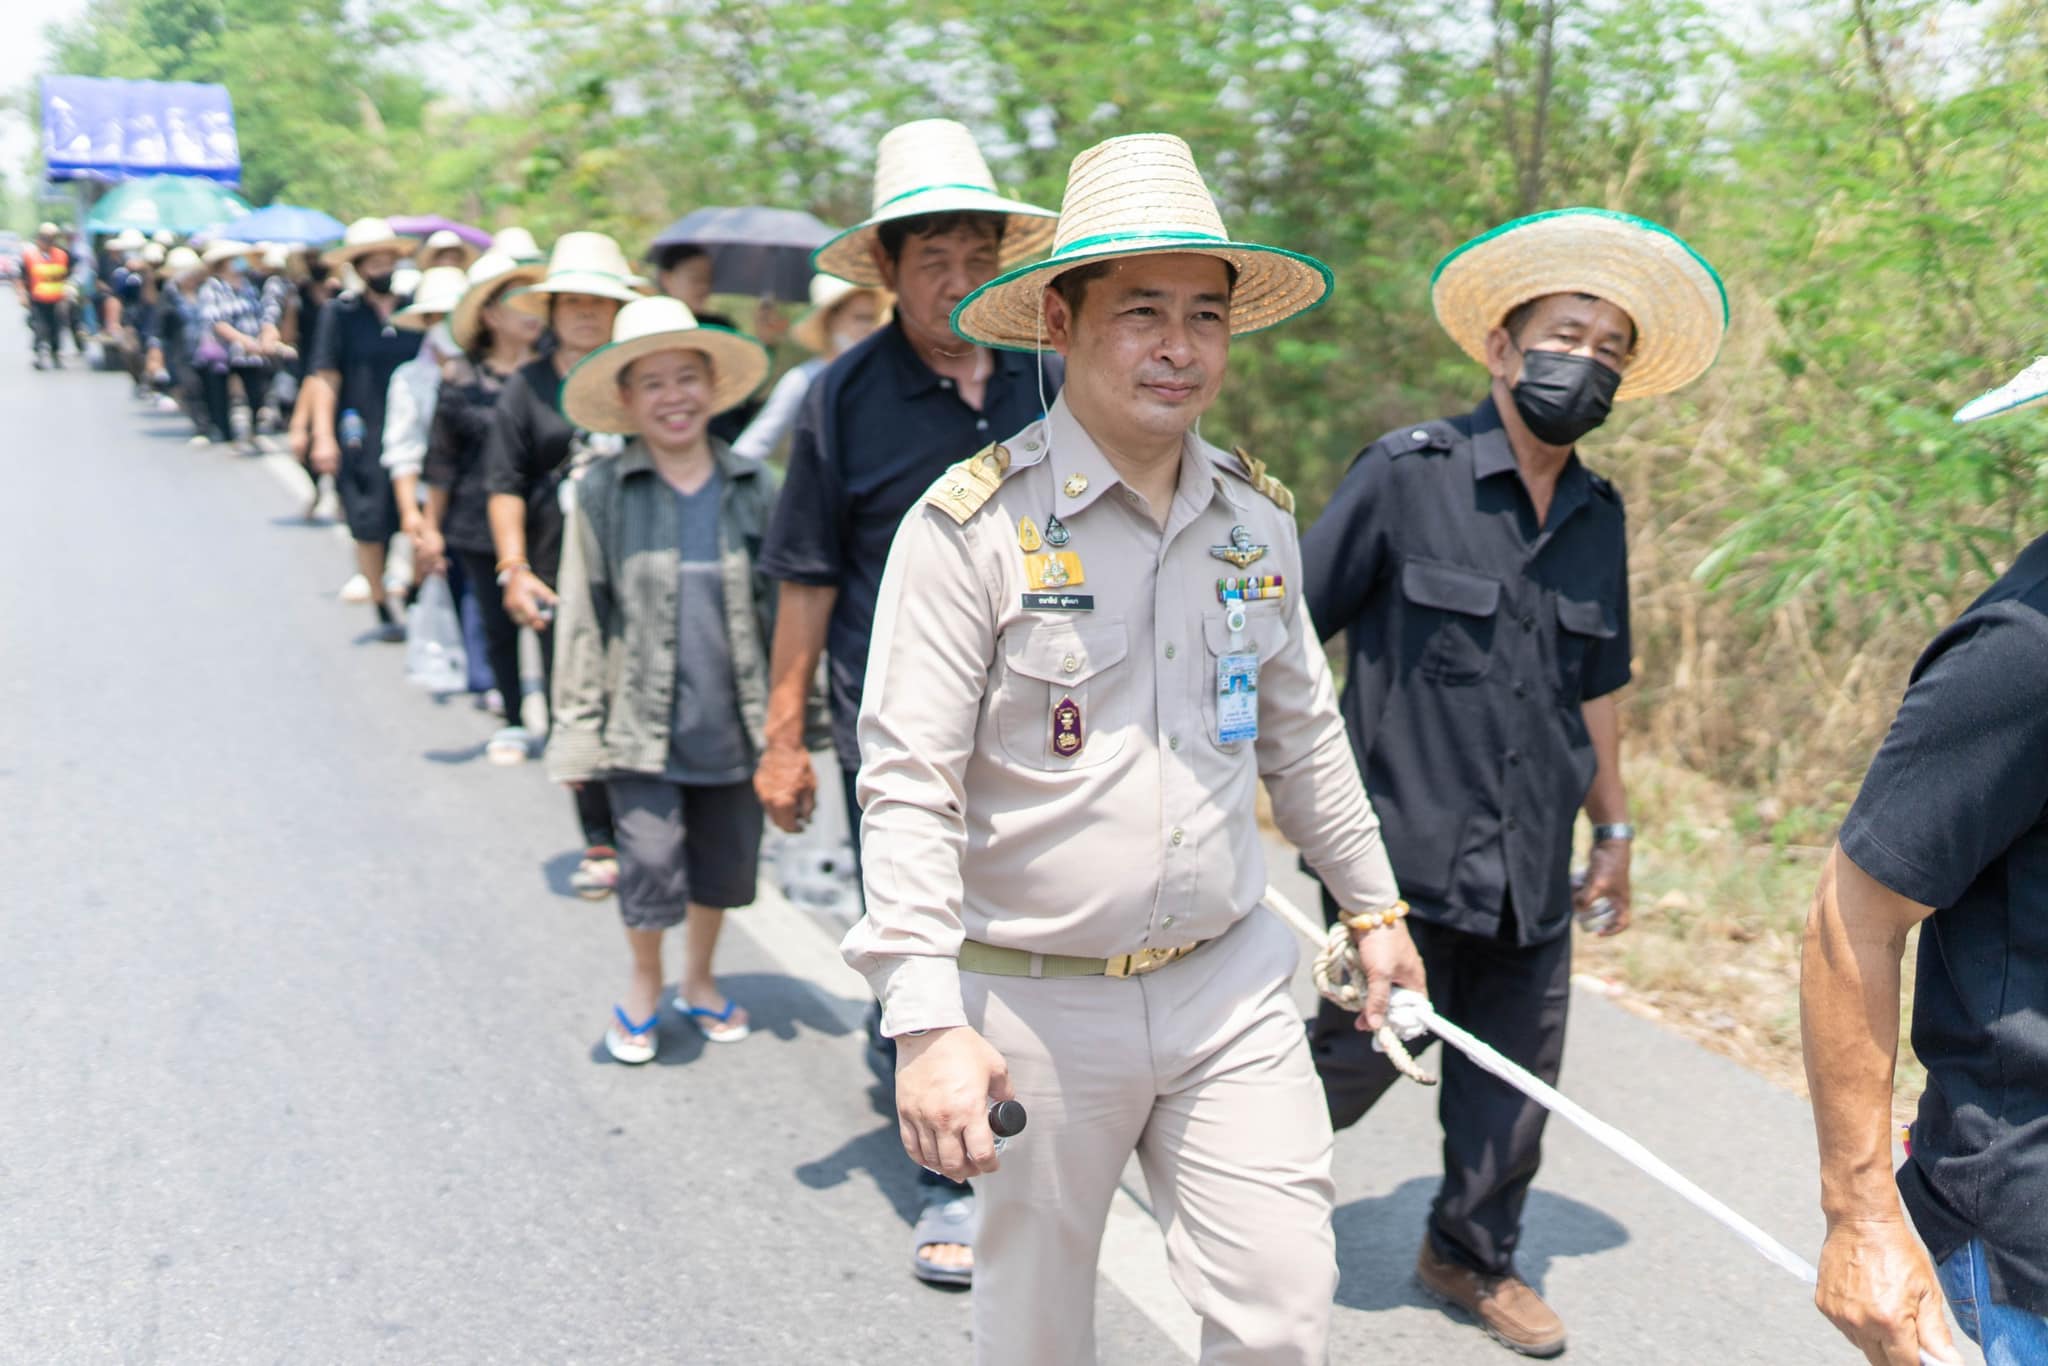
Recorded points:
697,1015
951,1219
597,876
632,1041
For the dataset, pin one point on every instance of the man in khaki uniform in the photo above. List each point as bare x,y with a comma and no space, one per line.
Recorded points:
1089,649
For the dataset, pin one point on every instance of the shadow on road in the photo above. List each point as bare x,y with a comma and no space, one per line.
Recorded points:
471,753
878,1153
1377,1240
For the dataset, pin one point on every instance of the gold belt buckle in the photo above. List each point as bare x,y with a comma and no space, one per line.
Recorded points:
1143,961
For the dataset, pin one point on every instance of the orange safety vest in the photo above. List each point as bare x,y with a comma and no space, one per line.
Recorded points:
47,273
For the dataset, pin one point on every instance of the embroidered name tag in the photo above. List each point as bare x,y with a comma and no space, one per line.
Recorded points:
1059,602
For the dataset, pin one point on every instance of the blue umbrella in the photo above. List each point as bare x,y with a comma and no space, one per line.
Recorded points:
284,223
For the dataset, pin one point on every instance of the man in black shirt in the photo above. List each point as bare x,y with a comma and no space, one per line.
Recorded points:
1950,832
1480,573
356,348
878,427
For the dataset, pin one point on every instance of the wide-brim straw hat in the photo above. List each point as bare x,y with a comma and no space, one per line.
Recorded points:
927,167
128,239
224,251
1141,195
365,236
828,292
440,289
1675,299
517,243
444,240
583,263
181,261
490,276
590,396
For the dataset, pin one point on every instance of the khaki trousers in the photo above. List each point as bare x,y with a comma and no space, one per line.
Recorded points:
1203,1070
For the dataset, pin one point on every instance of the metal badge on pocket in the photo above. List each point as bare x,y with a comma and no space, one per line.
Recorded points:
1067,737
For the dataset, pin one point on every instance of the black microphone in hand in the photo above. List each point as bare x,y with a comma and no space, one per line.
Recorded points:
1005,1121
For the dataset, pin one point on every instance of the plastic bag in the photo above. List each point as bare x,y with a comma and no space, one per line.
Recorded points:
434,657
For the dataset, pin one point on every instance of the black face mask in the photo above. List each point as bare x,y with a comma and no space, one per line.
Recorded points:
378,284
1562,397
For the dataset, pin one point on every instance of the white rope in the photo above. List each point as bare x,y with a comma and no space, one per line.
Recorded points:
1409,1015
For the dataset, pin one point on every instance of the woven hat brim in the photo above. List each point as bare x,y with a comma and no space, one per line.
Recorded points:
1027,233
590,396
2027,389
809,331
341,256
534,298
413,318
1273,285
468,315
1676,300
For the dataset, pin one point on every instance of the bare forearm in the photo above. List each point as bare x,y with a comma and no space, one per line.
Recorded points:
320,390
507,513
1849,1024
802,614
1607,801
405,490
437,507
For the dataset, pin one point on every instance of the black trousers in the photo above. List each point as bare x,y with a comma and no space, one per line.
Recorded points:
881,1048
48,321
1515,999
501,637
255,381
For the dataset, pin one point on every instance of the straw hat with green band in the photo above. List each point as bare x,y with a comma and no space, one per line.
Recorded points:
582,263
929,167
1649,272
1141,195
590,395
490,277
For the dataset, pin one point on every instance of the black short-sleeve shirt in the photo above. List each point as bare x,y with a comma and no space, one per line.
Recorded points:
365,349
1954,814
528,454
877,428
1474,636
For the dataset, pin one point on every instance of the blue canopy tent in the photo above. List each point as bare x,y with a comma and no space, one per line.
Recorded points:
110,131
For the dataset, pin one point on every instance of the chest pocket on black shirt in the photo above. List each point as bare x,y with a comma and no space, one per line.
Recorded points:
1585,626
1455,625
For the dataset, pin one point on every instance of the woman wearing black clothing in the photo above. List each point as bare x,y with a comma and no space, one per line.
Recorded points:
495,342
531,454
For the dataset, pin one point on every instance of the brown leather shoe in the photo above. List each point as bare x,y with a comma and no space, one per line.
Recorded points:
1512,1314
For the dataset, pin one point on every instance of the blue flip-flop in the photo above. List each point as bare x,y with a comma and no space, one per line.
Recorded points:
697,1015
632,1041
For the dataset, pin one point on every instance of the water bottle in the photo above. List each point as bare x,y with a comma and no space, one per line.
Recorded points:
1598,917
352,429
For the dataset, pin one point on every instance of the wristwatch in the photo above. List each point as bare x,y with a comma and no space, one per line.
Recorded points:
1619,831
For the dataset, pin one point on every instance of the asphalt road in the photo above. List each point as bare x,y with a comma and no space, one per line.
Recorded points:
301,1055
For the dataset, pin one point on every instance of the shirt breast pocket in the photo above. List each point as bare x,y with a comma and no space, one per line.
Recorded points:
1265,632
1584,625
1454,614
1066,700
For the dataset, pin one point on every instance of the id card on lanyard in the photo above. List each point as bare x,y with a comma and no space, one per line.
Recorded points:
1237,685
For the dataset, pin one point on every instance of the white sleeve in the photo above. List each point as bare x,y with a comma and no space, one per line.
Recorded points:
777,415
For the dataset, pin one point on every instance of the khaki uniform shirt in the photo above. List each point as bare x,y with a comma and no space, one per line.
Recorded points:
977,825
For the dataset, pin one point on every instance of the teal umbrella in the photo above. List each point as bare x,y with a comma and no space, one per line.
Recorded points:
184,204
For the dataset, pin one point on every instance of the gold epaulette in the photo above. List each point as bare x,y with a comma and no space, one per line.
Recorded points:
964,487
1255,473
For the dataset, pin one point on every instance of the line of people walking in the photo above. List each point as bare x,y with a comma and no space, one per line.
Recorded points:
1059,642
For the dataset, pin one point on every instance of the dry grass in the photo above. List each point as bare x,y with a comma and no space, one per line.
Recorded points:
1721,893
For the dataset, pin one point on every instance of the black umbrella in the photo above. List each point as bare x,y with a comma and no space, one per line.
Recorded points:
754,251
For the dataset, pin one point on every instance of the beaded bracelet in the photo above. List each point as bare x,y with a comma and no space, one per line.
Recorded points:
1367,921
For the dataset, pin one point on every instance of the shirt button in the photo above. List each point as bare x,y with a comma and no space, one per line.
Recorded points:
1069,664
1167,922
1177,836
1521,689
1513,825
1528,623
1513,758
1418,435
981,426
1173,742
1169,652
945,384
